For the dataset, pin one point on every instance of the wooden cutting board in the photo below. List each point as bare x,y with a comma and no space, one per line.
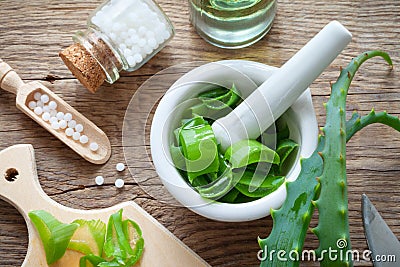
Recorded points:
19,185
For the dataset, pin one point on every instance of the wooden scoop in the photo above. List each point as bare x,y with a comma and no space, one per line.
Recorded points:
11,82
20,187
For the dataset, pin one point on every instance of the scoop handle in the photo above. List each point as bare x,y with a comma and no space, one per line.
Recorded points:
9,79
266,104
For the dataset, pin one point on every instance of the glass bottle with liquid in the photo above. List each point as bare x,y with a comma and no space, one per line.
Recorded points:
232,23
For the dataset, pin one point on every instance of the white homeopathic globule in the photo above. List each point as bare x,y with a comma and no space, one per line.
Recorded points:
119,183
120,167
99,180
94,146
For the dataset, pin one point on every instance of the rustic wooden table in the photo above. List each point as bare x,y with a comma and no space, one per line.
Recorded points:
33,32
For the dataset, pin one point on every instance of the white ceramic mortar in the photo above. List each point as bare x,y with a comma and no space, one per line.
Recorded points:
300,117
274,91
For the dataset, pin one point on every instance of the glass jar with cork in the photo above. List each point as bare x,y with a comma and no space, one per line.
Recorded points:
121,35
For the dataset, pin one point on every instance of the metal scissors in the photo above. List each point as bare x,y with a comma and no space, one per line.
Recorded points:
383,244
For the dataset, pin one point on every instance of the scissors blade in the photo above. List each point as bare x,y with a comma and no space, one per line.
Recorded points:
381,240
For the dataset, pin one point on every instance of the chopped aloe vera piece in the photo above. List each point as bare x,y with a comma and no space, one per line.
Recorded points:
231,196
89,237
134,234
199,147
247,152
204,111
222,93
223,163
121,236
192,123
227,99
244,199
54,234
110,264
282,130
284,150
218,188
177,157
269,185
216,103
214,93
201,180
91,260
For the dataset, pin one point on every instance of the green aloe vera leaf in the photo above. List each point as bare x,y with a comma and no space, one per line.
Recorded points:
291,221
247,152
199,110
284,149
201,180
134,234
116,245
218,188
244,199
220,98
216,103
231,196
358,122
246,178
54,234
113,263
223,163
282,133
269,139
94,260
276,133
269,185
177,157
213,176
235,97
119,241
176,135
206,112
381,117
333,223
88,237
213,93
199,147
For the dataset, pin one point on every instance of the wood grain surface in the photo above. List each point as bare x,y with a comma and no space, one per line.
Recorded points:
33,32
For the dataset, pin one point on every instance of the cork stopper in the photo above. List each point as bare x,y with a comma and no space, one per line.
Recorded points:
83,66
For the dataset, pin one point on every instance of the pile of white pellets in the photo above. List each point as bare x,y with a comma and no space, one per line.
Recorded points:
119,183
136,27
46,108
